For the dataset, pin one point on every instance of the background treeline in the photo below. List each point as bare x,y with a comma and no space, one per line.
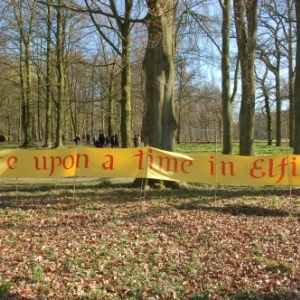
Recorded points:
75,67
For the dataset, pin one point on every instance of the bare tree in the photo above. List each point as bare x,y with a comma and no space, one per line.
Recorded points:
275,51
123,26
49,70
265,87
25,27
245,15
210,27
227,99
59,104
289,34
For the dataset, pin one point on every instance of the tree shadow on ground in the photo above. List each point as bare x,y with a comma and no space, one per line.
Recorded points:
237,209
66,196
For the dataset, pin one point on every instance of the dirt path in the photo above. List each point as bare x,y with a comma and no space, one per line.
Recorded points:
70,179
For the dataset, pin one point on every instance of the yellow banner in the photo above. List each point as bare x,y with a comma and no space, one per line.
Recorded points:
148,162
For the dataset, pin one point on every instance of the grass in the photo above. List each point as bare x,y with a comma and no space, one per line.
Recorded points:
108,243
260,147
104,240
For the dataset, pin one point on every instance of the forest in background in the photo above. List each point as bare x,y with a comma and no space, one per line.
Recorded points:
71,67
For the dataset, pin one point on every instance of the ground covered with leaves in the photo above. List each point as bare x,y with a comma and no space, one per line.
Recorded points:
102,240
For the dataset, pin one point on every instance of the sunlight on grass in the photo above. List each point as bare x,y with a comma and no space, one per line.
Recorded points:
205,242
259,148
174,244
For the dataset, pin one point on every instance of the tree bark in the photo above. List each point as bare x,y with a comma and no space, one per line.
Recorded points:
297,85
158,65
246,30
291,76
48,82
226,99
61,78
25,30
126,118
159,123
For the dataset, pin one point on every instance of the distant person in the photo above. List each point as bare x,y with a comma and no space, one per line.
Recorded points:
116,141
113,141
101,139
107,141
88,139
77,140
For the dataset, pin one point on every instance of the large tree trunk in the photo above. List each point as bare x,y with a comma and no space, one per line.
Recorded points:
48,81
61,78
25,25
291,76
297,85
29,101
278,104
159,122
124,27
126,119
246,41
158,65
226,99
110,121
